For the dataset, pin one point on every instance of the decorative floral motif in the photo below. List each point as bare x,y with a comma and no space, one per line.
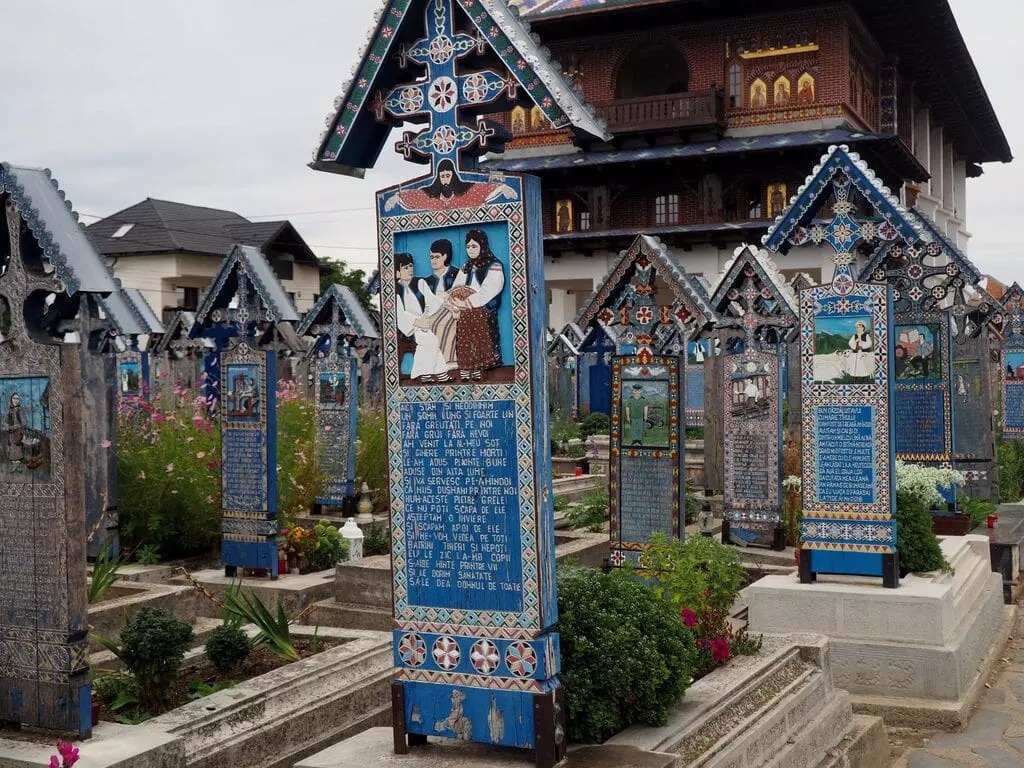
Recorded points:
443,94
446,653
521,659
412,650
484,656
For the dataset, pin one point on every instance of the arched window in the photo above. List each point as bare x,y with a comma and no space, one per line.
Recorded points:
666,210
652,71
735,86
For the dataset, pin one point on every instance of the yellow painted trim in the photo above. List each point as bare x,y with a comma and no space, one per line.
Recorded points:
779,51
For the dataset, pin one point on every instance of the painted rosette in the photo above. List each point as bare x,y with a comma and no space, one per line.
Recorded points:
521,659
446,652
412,650
484,656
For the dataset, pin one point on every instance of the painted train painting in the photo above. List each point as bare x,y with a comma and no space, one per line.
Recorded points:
25,430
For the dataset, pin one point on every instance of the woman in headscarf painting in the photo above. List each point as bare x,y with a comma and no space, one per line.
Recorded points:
448,190
477,295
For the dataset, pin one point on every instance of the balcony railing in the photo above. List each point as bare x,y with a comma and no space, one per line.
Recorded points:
699,109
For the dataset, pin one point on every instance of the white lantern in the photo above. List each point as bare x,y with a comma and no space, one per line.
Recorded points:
354,536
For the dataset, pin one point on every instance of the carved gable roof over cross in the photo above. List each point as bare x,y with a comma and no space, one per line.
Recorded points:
47,214
443,63
176,337
839,173
626,305
1013,313
338,314
245,293
752,296
566,343
933,276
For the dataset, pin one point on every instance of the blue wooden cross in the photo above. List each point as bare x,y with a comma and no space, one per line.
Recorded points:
844,232
437,99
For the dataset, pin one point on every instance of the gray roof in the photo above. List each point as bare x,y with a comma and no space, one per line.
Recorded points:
352,313
53,222
121,315
161,226
143,311
270,294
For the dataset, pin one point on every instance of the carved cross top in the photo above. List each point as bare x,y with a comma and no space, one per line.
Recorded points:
437,98
844,232
335,332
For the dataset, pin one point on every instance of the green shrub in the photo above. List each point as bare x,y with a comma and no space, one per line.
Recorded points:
916,543
563,428
105,571
591,512
376,539
227,647
560,503
979,509
626,658
275,630
116,689
372,454
596,423
1011,471
153,645
572,450
330,547
693,505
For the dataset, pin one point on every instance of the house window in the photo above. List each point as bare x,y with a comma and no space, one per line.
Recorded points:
754,202
666,209
190,298
585,223
123,230
735,86
283,269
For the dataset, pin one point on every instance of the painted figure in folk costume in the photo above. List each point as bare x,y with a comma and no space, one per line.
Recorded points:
636,415
477,296
447,190
417,304
861,361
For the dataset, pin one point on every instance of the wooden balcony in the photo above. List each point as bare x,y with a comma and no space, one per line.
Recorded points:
698,109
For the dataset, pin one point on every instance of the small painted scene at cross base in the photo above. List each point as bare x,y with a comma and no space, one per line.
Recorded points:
242,392
453,304
918,353
1014,366
844,351
24,429
749,393
130,378
332,389
645,414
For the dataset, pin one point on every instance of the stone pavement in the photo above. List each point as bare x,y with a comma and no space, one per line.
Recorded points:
993,738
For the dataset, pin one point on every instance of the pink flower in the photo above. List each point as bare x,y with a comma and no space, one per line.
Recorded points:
201,455
720,649
159,418
170,467
689,617
54,761
105,444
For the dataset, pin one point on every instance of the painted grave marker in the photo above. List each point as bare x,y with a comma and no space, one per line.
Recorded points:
646,453
847,343
464,372
624,309
757,311
47,267
246,301
336,321
974,440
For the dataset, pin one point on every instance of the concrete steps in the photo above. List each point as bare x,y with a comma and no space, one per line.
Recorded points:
331,613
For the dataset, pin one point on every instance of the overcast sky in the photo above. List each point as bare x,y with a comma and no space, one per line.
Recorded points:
221,102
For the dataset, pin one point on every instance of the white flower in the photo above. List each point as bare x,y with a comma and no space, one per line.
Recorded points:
924,482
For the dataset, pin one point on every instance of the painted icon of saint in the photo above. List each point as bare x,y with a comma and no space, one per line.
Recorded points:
758,98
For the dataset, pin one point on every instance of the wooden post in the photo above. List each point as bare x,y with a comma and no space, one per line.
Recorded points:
714,445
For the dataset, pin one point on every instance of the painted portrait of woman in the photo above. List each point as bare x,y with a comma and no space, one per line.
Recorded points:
477,296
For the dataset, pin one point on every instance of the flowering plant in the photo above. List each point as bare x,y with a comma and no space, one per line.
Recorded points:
923,483
67,755
701,578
